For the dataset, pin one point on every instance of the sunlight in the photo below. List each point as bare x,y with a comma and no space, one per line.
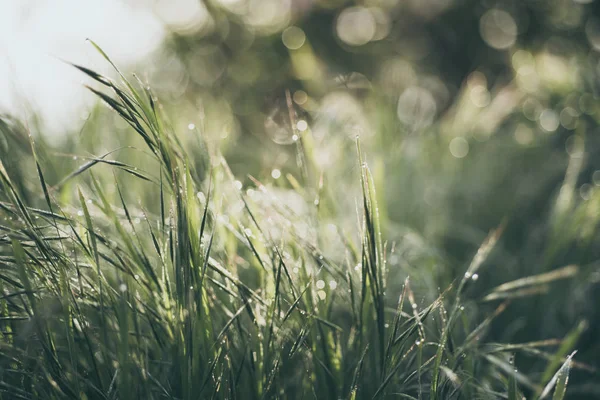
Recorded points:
36,35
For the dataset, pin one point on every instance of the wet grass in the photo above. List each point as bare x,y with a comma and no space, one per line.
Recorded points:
213,291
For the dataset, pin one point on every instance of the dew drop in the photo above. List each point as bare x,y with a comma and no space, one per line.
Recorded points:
302,125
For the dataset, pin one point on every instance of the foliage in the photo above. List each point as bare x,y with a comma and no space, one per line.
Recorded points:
203,289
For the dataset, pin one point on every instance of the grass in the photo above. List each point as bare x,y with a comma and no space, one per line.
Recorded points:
203,288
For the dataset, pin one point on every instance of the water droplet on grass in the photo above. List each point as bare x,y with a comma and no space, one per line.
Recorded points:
302,125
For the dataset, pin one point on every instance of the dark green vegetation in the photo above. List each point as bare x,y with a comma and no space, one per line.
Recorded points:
133,264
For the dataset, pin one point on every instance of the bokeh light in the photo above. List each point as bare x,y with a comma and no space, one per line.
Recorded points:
416,108
459,147
498,29
293,37
356,26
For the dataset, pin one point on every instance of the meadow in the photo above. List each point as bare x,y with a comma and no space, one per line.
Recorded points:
261,237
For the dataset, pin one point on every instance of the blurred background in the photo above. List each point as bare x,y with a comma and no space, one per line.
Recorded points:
471,112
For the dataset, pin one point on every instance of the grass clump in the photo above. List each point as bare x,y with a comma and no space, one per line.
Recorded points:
211,291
